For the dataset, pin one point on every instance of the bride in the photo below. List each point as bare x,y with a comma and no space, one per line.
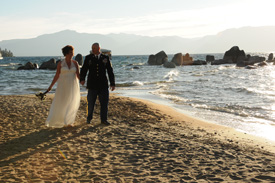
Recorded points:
67,96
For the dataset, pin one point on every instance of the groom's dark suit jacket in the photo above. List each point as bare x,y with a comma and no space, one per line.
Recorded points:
97,78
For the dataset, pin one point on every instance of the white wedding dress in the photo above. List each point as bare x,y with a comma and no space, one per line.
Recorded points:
67,98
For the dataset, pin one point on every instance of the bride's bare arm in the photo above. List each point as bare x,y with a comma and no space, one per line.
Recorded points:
56,76
77,69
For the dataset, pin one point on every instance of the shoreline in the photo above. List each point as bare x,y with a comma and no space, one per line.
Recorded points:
223,132
155,101
146,142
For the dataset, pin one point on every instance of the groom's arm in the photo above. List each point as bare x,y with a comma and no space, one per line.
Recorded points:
110,74
84,70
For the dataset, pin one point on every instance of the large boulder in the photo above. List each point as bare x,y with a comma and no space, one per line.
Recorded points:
158,59
51,64
79,59
187,60
199,62
210,58
152,60
250,60
256,59
270,57
169,64
28,66
177,59
234,55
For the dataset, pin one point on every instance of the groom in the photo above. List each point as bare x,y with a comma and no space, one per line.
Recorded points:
97,64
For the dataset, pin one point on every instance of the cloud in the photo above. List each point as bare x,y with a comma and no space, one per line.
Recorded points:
185,23
17,28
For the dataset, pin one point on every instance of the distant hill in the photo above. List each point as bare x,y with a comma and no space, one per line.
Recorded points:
250,39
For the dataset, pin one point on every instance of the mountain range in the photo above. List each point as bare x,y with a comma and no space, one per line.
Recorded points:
249,39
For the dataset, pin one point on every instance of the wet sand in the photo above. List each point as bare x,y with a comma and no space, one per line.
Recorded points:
146,142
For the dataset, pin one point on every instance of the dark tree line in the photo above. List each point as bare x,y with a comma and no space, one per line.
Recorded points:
6,53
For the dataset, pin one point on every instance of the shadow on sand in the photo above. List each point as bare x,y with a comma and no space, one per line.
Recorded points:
22,147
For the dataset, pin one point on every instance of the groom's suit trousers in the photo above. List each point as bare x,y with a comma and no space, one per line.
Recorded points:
103,96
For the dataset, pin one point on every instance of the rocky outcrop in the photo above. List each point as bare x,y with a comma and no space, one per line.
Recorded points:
250,60
79,59
199,62
51,64
177,59
270,57
219,62
169,64
260,64
187,60
158,59
152,60
28,66
234,55
255,59
210,58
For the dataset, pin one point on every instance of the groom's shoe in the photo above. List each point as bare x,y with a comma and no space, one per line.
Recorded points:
105,123
88,121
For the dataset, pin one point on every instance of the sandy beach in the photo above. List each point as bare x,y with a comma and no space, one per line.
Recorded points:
146,142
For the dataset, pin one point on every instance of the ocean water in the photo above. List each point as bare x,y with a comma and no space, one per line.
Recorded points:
224,94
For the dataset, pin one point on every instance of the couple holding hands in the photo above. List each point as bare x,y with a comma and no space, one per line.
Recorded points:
67,96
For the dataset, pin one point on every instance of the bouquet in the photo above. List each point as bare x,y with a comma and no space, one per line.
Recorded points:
41,95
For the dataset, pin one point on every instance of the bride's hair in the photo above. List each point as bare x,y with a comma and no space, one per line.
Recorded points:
67,49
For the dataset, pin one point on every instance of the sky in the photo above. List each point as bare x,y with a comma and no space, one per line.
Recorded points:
23,19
